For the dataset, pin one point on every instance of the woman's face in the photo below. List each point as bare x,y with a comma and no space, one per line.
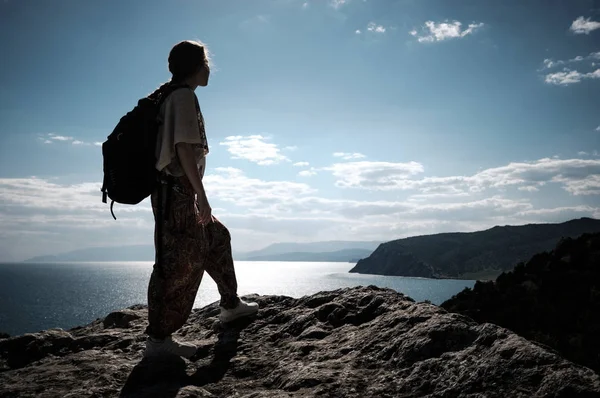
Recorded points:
202,75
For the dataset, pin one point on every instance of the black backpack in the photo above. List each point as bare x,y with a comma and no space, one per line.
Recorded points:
130,174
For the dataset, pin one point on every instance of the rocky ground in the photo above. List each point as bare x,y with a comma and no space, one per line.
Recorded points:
355,342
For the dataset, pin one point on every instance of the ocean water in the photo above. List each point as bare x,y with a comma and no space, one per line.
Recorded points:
35,297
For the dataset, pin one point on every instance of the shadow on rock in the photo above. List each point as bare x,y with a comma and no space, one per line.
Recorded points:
156,377
225,348
164,377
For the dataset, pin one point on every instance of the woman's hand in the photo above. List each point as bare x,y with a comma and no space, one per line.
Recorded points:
204,210
188,163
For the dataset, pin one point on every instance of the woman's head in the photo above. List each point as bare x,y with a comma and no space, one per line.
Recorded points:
189,62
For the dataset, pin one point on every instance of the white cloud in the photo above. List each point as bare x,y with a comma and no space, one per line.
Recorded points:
231,185
37,193
338,3
373,175
589,185
559,214
357,31
568,76
51,137
549,63
373,27
55,137
569,172
564,78
582,153
529,188
348,155
254,148
290,148
425,197
584,25
307,173
575,175
66,213
78,142
301,164
598,128
441,31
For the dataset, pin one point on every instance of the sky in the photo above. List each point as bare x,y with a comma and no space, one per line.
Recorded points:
326,119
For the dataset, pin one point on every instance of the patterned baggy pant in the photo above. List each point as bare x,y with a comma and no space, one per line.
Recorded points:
188,249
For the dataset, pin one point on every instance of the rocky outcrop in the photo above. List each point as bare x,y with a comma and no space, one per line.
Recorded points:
469,255
355,342
394,260
554,299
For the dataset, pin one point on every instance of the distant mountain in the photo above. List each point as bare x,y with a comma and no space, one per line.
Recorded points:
467,255
307,247
346,255
118,253
310,251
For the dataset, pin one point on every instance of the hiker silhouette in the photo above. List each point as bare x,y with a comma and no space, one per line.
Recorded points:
188,238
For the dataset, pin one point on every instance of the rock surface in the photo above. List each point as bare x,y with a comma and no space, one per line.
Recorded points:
354,342
554,299
469,255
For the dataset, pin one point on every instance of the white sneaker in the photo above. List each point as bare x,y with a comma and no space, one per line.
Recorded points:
242,309
169,346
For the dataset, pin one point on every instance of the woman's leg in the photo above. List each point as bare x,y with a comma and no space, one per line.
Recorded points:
171,295
219,263
177,274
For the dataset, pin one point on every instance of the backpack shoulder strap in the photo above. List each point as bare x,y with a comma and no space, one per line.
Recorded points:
167,90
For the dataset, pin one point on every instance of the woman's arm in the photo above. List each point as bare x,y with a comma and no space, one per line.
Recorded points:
185,152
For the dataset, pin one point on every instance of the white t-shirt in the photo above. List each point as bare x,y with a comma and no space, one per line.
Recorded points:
181,121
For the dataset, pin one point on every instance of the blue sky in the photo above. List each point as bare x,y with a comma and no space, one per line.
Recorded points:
355,119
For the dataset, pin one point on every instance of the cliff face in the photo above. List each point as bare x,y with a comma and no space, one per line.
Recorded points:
394,260
462,255
356,342
554,299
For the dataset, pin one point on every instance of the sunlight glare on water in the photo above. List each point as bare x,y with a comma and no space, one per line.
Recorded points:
297,279
34,297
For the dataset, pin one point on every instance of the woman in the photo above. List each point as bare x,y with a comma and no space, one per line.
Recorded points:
188,238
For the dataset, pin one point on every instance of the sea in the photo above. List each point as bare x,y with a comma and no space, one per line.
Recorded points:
35,297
